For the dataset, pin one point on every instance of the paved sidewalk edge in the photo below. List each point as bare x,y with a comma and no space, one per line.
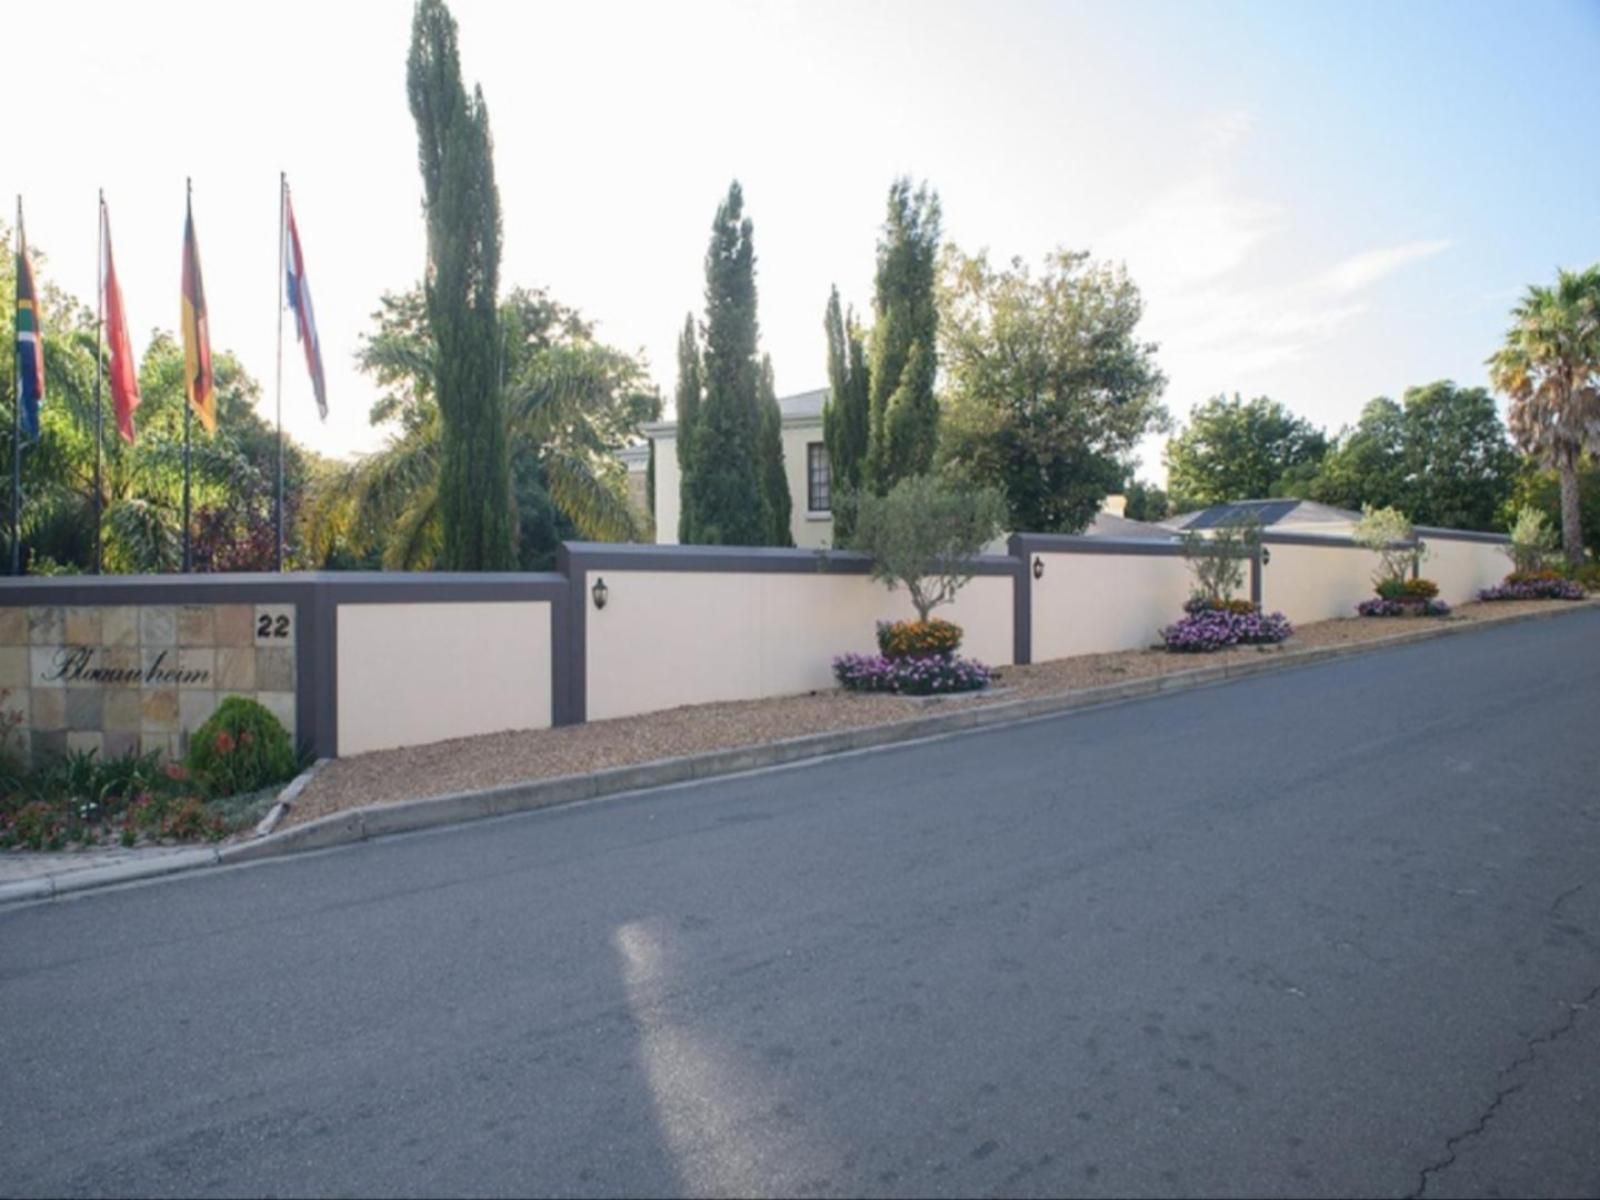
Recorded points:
380,820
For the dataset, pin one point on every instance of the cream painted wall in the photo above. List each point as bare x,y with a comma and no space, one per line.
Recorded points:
807,530
1093,603
1317,583
416,673
668,638
1462,569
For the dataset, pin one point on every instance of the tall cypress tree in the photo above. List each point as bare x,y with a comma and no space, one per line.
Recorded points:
723,483
687,402
847,413
905,416
462,207
774,479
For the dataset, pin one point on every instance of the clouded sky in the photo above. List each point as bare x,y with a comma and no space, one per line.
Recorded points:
1320,202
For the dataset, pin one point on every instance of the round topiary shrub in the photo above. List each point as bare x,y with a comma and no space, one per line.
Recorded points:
918,639
242,748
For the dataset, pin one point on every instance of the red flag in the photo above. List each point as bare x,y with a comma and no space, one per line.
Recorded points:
123,372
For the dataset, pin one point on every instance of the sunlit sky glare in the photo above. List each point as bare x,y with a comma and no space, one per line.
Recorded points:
1322,203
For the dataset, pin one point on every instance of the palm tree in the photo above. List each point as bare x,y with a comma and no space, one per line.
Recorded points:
1550,368
570,403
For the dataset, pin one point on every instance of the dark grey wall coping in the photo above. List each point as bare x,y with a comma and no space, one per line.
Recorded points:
243,587
1425,532
576,557
1023,544
1463,535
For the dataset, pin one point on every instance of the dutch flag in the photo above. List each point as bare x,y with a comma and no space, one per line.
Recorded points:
299,296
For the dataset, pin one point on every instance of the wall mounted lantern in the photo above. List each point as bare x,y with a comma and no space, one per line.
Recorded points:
1266,555
600,592
1038,567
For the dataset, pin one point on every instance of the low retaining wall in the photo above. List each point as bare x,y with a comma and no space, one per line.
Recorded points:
352,662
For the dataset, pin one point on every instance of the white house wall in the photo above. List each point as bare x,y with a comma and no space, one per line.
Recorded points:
809,531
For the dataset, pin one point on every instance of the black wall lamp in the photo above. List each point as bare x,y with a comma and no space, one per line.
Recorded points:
1266,555
1038,567
600,592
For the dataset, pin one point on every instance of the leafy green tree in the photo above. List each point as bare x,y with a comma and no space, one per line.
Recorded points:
723,480
1048,387
904,429
1441,456
1146,502
1540,488
847,413
687,398
569,403
1460,464
774,479
1550,367
1366,465
1237,450
925,534
462,206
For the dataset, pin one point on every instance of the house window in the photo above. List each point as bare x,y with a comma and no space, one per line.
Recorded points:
818,482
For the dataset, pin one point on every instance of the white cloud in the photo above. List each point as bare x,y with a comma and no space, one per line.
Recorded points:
1364,269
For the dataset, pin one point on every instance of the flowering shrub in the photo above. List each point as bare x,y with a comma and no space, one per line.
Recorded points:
1382,606
1200,604
241,748
1206,629
923,675
1534,585
1408,589
78,798
916,639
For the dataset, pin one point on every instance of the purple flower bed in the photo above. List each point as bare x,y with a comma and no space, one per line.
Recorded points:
1379,607
920,676
1216,629
1539,589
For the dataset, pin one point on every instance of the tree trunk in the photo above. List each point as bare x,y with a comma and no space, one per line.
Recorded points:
1571,513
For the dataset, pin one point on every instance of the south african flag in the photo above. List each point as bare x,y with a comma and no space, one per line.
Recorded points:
30,345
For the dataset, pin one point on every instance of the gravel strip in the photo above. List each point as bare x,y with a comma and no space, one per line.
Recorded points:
468,764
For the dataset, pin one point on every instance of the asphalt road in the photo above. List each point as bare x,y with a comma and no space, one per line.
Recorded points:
1327,932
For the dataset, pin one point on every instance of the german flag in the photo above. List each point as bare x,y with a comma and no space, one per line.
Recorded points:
197,379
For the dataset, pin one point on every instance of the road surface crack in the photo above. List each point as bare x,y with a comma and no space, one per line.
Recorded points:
1522,1061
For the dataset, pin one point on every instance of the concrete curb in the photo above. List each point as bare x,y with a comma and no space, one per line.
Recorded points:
286,798
380,820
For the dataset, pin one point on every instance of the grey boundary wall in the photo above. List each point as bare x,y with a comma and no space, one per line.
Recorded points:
317,595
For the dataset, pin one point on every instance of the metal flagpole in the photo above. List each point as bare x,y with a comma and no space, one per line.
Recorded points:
99,318
277,505
16,418
188,408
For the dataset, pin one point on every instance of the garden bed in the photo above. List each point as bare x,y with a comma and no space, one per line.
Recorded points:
468,764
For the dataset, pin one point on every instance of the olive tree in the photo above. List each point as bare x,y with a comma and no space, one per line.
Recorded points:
925,534
1217,557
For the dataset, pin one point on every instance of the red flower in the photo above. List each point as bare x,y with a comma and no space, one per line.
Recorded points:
176,771
224,742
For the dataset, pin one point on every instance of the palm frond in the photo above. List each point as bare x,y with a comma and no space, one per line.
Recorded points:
597,507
